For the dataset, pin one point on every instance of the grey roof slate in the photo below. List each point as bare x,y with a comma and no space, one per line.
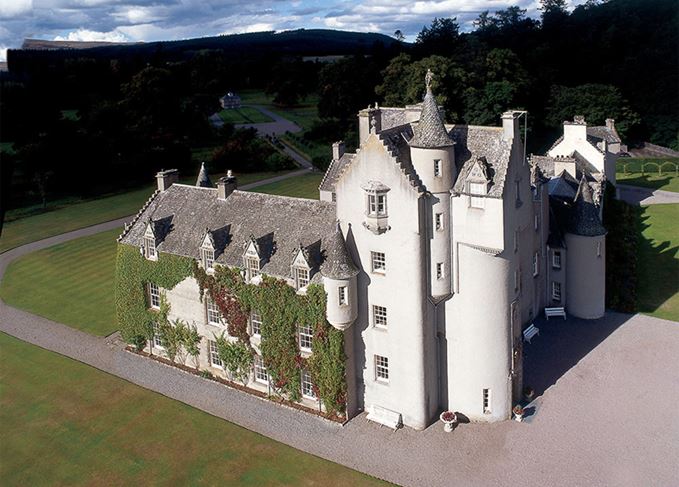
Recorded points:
203,178
584,218
430,132
473,143
334,170
392,117
603,133
278,223
338,263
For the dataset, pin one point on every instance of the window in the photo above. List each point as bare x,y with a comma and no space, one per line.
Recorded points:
343,297
157,342
150,247
517,187
334,197
536,193
476,191
556,291
252,264
208,258
379,263
438,221
306,335
516,240
377,204
486,401
598,249
213,315
536,264
381,368
154,296
379,316
301,277
517,279
261,375
255,323
215,361
556,259
439,270
437,168
307,385
536,221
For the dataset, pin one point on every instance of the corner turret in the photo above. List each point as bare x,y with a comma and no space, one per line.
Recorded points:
339,279
203,179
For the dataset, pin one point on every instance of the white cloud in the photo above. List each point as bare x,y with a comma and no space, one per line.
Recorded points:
93,36
14,8
3,54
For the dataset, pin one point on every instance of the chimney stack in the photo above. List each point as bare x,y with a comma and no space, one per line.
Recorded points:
226,185
610,124
166,178
337,150
510,125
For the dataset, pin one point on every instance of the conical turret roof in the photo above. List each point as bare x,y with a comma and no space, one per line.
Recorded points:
203,178
338,263
585,219
430,133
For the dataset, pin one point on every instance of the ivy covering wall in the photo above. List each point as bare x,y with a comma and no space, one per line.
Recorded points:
280,307
133,273
282,310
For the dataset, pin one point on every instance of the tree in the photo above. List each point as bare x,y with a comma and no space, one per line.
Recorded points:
237,358
439,38
346,86
554,12
596,102
399,35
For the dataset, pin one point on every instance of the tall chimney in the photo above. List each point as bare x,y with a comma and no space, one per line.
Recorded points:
226,185
166,178
510,125
610,124
337,150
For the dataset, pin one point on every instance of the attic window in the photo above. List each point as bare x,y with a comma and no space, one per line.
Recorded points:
477,191
252,267
208,258
150,248
301,277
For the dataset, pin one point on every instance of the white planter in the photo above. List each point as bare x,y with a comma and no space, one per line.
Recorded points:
448,425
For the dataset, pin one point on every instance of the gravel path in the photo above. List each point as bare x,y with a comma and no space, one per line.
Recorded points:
603,418
636,195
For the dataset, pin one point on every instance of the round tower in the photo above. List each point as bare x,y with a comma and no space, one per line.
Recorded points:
432,153
586,263
339,280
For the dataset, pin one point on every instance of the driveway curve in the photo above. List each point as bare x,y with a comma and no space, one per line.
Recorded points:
587,430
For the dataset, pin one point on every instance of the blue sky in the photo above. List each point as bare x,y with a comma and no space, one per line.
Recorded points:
153,20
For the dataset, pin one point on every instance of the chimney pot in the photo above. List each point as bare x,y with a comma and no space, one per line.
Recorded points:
337,150
226,185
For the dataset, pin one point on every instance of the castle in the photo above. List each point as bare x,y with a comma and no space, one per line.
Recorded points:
436,246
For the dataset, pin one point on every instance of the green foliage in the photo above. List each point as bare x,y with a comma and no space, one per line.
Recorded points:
191,343
133,273
281,310
440,37
237,358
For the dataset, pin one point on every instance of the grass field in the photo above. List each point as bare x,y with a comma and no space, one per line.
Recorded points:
72,216
65,423
629,171
72,283
305,186
243,115
658,286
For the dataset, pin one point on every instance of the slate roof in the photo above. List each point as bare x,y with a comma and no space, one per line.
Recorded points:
334,170
546,164
338,263
486,143
430,133
572,209
392,117
603,133
203,178
278,223
584,218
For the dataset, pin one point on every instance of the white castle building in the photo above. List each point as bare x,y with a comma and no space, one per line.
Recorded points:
448,243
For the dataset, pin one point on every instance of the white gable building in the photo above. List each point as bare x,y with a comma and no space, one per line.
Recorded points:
445,248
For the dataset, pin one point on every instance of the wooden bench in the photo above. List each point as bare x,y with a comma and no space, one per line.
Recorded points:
385,417
549,312
530,332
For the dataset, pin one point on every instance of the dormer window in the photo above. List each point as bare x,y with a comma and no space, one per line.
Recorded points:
252,267
477,192
150,248
301,267
376,207
208,258
301,277
251,260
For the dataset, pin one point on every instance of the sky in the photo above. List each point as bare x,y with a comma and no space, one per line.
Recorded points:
156,20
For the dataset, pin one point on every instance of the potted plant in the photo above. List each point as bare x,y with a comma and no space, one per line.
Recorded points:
518,412
449,419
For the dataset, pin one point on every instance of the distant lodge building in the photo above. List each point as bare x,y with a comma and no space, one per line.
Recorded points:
230,100
436,244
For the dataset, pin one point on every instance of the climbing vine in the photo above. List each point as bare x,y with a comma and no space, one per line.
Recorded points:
282,310
133,274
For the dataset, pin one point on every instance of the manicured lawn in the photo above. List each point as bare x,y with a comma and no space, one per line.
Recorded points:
243,115
72,216
629,171
72,283
305,186
65,423
666,182
658,286
7,147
